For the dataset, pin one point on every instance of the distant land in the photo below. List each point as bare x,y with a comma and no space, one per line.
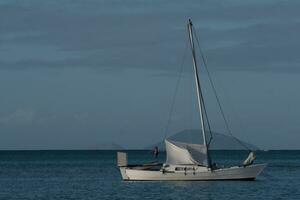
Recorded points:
219,142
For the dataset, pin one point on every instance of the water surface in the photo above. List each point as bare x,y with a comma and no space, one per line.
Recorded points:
94,175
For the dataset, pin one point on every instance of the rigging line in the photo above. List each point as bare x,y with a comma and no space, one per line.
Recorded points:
176,90
217,98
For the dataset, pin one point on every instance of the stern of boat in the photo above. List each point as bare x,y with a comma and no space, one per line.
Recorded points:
123,173
122,164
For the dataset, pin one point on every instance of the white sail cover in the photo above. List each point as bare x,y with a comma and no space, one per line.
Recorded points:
179,153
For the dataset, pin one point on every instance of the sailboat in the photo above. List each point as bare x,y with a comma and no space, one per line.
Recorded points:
187,161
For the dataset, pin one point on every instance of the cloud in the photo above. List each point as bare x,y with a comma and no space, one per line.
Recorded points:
20,116
31,116
256,35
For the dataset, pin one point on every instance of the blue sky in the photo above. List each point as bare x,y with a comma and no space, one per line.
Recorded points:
78,74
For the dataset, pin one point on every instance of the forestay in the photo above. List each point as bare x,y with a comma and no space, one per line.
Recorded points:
179,153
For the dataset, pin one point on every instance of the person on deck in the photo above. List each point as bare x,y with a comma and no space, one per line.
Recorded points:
155,152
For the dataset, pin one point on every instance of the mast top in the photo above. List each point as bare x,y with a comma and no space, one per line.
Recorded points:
189,23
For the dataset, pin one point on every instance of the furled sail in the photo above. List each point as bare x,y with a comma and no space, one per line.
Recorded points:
179,153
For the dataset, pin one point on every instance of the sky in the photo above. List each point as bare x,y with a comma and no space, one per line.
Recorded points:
80,74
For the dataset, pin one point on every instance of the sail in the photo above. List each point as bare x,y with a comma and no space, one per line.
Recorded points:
179,153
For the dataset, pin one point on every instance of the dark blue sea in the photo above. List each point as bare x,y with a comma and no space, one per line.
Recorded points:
94,175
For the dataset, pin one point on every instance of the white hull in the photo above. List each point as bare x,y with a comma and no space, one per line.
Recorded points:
232,173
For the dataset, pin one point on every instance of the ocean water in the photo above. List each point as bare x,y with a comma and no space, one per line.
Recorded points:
94,175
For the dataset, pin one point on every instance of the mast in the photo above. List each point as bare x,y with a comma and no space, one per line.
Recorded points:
199,92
